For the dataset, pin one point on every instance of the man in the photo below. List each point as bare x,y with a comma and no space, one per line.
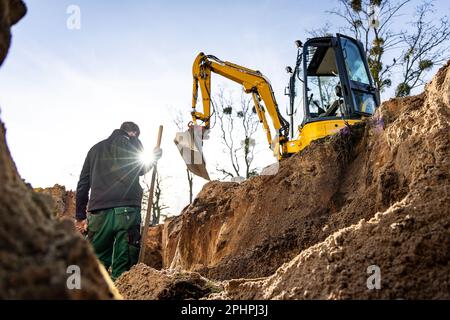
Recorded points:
111,172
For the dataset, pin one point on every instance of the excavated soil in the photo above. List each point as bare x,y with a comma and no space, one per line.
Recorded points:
248,230
153,251
145,283
36,249
409,243
63,200
377,194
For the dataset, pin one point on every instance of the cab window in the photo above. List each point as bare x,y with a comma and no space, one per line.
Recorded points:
354,62
322,80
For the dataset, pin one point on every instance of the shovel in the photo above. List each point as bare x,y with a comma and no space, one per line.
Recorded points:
149,204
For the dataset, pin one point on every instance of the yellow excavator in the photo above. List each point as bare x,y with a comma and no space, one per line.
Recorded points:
330,82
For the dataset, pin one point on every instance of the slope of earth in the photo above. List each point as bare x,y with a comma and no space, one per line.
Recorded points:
64,200
153,252
249,230
403,252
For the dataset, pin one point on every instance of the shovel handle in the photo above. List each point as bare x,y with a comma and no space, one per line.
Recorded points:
149,204
158,141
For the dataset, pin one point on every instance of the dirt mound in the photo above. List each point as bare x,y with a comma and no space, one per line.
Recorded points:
377,194
250,229
36,250
153,252
64,200
409,243
145,283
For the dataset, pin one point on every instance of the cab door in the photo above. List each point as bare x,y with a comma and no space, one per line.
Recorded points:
360,92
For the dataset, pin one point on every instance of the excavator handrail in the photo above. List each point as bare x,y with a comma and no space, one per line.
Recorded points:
253,82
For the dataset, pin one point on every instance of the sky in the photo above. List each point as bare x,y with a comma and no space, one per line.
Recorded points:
62,90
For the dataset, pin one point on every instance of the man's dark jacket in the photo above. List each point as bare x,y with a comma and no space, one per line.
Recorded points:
111,171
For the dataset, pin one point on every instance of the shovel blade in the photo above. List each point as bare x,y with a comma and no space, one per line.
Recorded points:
189,144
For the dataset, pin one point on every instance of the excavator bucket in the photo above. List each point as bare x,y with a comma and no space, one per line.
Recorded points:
189,144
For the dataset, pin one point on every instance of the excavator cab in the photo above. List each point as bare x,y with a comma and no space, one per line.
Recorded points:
332,80
332,84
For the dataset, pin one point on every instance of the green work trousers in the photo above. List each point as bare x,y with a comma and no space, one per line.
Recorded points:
115,236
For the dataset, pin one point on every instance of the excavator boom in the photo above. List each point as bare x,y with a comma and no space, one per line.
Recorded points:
253,82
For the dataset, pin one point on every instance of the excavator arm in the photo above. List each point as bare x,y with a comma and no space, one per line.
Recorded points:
253,82
190,144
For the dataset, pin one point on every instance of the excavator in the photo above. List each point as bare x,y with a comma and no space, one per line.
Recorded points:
331,83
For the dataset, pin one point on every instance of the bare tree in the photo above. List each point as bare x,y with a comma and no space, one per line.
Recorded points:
238,122
425,47
158,205
370,21
180,124
414,51
321,31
